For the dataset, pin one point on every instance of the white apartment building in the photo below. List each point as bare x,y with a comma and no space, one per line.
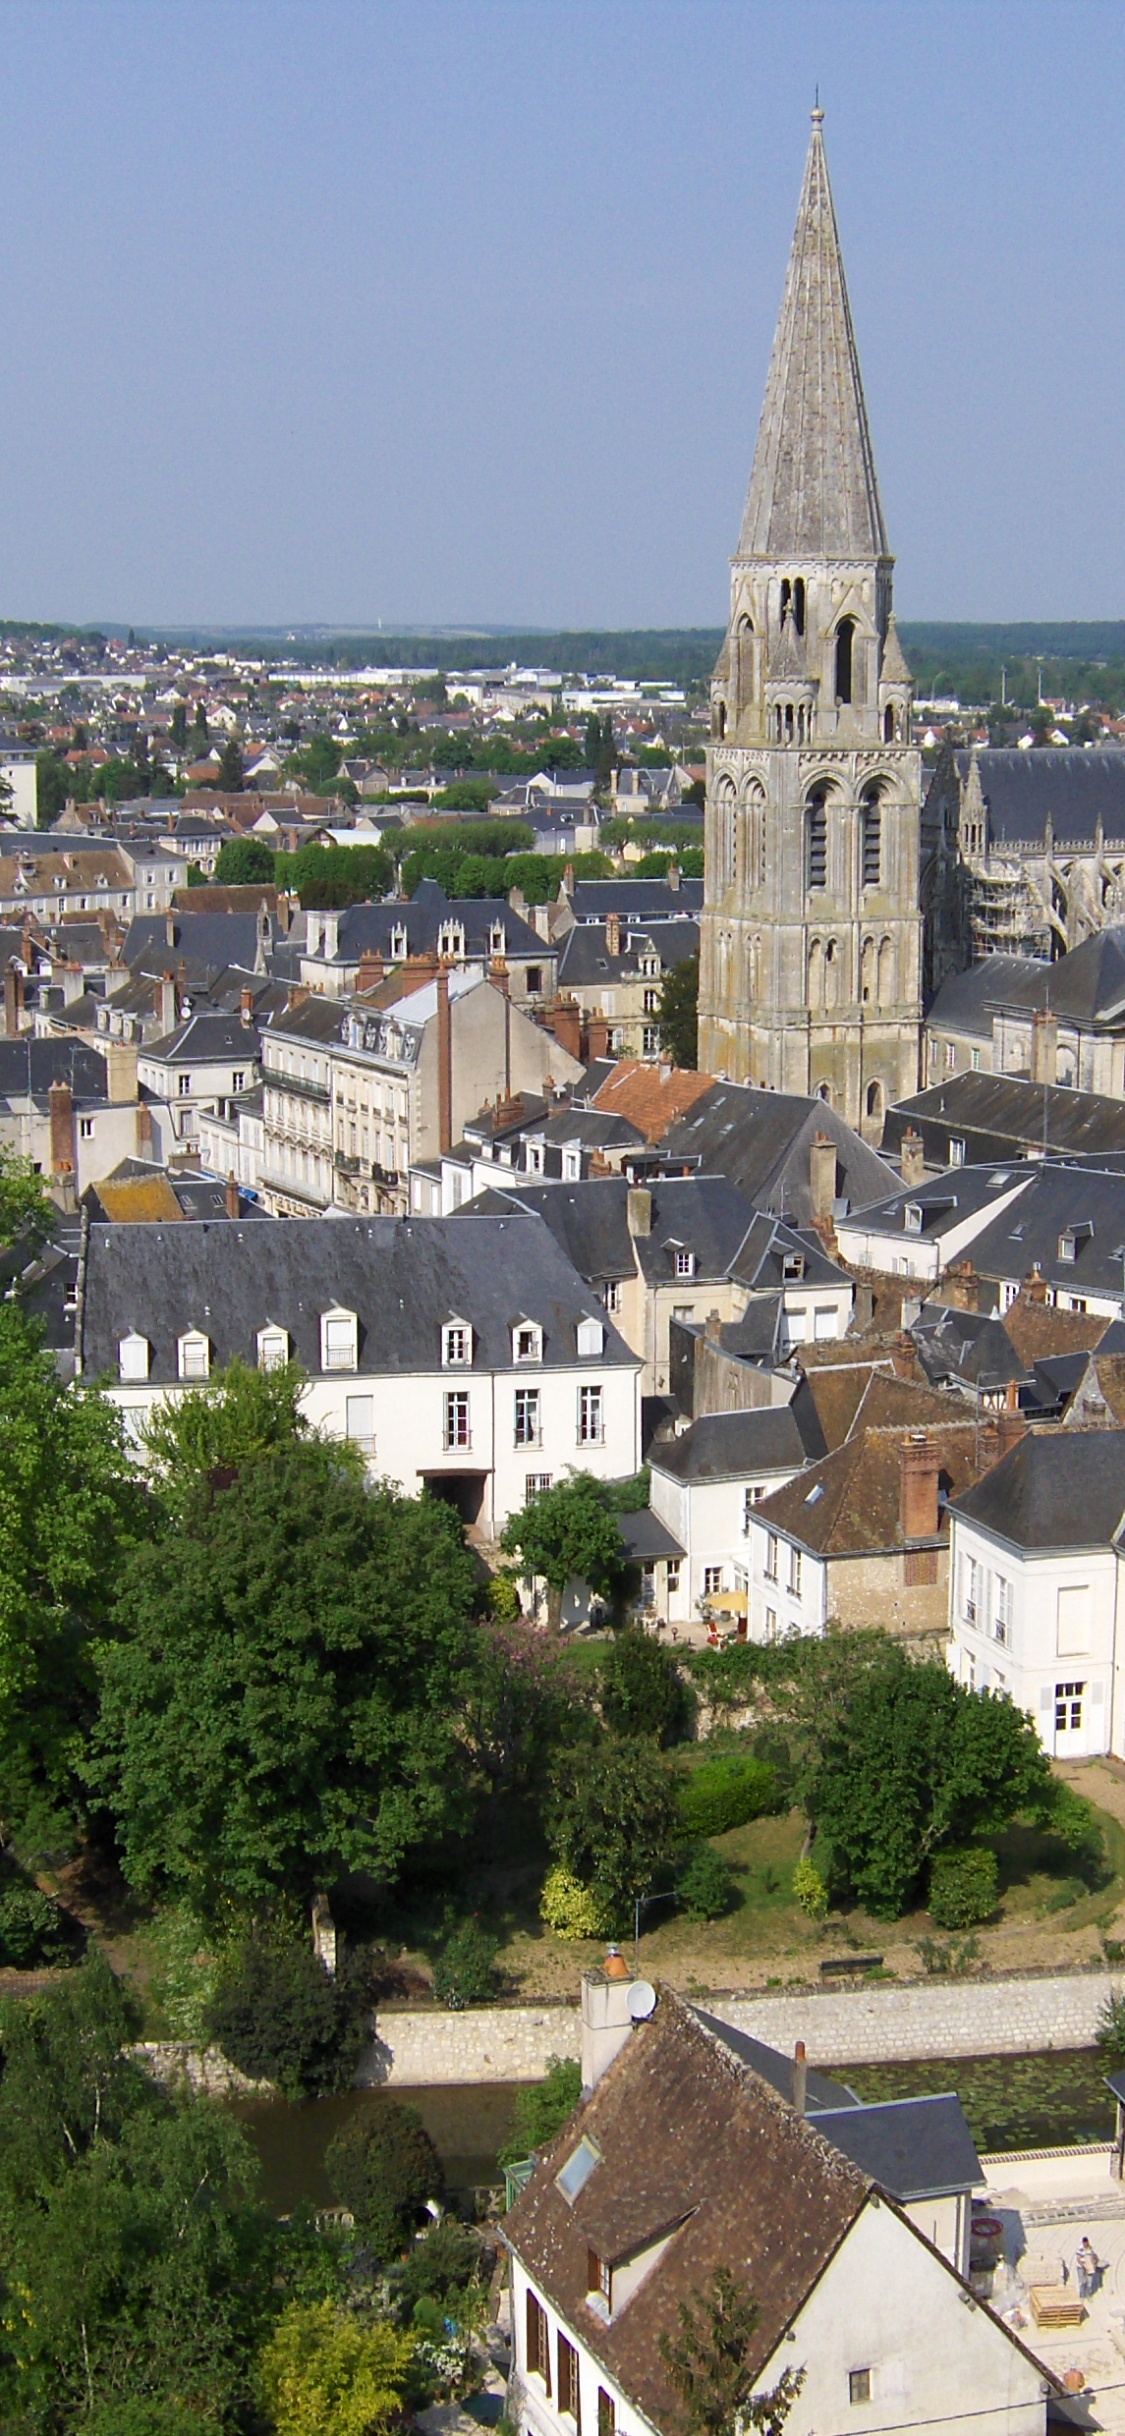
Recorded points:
705,1487
463,1356
1037,1597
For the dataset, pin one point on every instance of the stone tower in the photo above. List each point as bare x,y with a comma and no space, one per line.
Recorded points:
810,964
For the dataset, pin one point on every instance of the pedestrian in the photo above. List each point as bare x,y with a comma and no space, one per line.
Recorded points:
1089,2268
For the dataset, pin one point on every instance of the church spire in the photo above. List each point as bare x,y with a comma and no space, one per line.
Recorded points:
813,491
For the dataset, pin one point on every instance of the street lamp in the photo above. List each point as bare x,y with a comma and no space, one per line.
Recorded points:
641,1905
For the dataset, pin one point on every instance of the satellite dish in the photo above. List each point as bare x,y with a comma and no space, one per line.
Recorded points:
641,2000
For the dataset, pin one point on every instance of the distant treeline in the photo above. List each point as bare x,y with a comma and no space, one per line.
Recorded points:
675,656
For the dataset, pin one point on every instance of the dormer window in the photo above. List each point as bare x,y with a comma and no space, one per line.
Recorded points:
591,1338
1066,1247
685,1264
451,939
456,1345
912,1218
599,2280
497,939
398,942
194,1351
527,1342
339,1340
134,1354
792,1267
273,1348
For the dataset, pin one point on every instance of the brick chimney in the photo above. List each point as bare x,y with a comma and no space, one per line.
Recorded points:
1044,1046
144,1130
597,1038
639,1210
60,1104
800,2077
232,1196
606,2018
911,1158
613,934
297,996
673,876
714,1327
166,1006
371,970
169,930
566,1024
1010,1428
120,1071
962,1286
822,1178
1034,1285
13,1001
73,981
904,1356
444,1063
567,888
246,1005
918,1486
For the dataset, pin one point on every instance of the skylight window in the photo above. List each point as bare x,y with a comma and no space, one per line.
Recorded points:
576,2173
816,1491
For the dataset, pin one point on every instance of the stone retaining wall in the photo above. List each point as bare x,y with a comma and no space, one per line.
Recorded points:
877,2024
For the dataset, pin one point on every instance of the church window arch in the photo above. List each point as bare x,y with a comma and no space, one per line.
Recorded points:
816,973
874,1101
831,973
871,839
886,981
890,724
824,1092
754,837
725,816
816,840
793,599
845,672
867,972
753,967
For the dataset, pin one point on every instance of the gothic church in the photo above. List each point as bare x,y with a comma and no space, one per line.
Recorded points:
810,963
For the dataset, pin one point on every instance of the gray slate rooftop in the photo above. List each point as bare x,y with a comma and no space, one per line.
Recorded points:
1054,1489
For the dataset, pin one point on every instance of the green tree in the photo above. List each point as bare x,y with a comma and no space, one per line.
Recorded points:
567,1534
642,1689
239,1417
713,2367
593,740
317,763
611,1819
52,787
231,773
542,2109
279,2016
243,860
281,1703
26,1213
200,732
913,1762
324,2372
327,877
607,752
384,2167
70,1509
177,726
679,1013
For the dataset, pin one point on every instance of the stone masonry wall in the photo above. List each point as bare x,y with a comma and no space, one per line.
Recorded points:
878,2024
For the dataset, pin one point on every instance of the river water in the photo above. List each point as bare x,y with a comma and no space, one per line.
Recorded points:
1012,2101
467,2124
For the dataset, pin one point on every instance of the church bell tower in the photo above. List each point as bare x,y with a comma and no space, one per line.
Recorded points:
810,963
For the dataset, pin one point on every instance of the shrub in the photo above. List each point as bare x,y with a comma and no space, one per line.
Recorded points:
504,1598
465,1970
443,2265
571,1909
384,2167
542,2109
725,1792
809,1888
31,1929
1110,2032
642,1689
279,2016
964,1883
705,1886
185,1972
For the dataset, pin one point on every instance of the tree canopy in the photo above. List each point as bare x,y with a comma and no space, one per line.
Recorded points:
679,1013
281,1701
243,860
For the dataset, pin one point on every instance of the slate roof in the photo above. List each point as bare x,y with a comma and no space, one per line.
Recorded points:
403,1277
701,1214
586,963
1058,1202
206,1039
1055,1489
769,1243
971,1347
737,1446
203,939
30,1066
637,902
915,2148
964,1003
369,927
760,1141
777,2069
644,1536
945,1201
685,2134
813,490
1013,1115
1074,790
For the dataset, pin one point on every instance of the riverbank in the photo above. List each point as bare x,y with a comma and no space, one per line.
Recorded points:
878,2023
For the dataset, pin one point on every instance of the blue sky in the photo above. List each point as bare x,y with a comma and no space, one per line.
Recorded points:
459,310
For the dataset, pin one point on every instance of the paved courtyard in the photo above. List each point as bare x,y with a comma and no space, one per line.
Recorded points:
1045,2204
